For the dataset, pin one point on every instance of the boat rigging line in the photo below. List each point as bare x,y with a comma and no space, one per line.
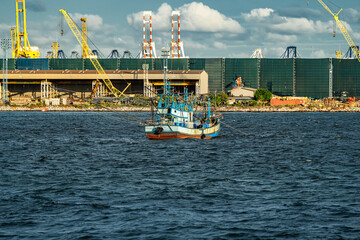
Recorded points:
133,120
139,122
229,126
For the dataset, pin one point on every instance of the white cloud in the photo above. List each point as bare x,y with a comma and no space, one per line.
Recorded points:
220,45
199,17
191,44
319,54
351,15
195,17
281,38
95,22
200,25
302,26
239,55
5,31
160,19
104,36
258,14
274,51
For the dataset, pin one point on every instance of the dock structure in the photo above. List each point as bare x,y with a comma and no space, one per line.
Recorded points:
295,77
35,84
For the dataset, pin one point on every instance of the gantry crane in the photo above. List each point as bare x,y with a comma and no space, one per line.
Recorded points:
343,30
20,40
88,54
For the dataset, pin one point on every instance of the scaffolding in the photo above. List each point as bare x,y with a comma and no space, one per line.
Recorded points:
47,90
197,89
101,89
148,48
148,87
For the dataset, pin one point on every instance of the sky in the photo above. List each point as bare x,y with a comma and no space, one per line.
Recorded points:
211,28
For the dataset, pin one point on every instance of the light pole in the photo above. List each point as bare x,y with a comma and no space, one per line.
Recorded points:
5,44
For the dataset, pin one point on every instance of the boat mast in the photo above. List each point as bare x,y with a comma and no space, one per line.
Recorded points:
209,108
165,55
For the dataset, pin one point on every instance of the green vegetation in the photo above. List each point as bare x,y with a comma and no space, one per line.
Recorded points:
249,103
221,98
263,95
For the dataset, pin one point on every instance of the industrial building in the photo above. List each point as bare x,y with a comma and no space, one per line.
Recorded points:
313,78
32,78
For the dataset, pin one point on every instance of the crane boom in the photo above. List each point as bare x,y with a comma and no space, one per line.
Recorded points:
343,30
91,56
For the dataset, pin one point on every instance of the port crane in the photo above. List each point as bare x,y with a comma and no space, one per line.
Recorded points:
343,30
84,35
20,40
89,54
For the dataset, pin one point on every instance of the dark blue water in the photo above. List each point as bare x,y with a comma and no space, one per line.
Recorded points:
83,176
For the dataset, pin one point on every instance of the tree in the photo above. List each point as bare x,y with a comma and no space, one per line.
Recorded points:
263,95
222,98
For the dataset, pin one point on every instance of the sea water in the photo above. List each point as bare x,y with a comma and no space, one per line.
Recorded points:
88,176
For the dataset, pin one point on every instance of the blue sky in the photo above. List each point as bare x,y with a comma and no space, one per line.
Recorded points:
227,28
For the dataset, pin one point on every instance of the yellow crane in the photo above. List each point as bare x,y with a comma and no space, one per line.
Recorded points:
343,30
84,35
20,40
55,48
88,54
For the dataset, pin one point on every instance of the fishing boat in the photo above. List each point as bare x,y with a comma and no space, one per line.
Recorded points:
175,117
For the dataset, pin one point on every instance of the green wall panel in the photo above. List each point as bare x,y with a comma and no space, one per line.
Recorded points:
213,66
173,64
107,64
70,64
311,75
197,63
11,64
312,78
135,64
246,68
276,75
32,64
346,77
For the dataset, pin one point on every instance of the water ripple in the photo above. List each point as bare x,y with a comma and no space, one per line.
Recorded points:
80,176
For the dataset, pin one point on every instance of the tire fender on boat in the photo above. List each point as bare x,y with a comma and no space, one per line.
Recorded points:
159,130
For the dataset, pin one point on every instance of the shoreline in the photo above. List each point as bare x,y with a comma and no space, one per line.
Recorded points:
148,109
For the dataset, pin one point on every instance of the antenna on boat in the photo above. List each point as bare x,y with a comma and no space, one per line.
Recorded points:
165,54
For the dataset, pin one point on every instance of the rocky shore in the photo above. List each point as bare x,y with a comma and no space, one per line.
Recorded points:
342,108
